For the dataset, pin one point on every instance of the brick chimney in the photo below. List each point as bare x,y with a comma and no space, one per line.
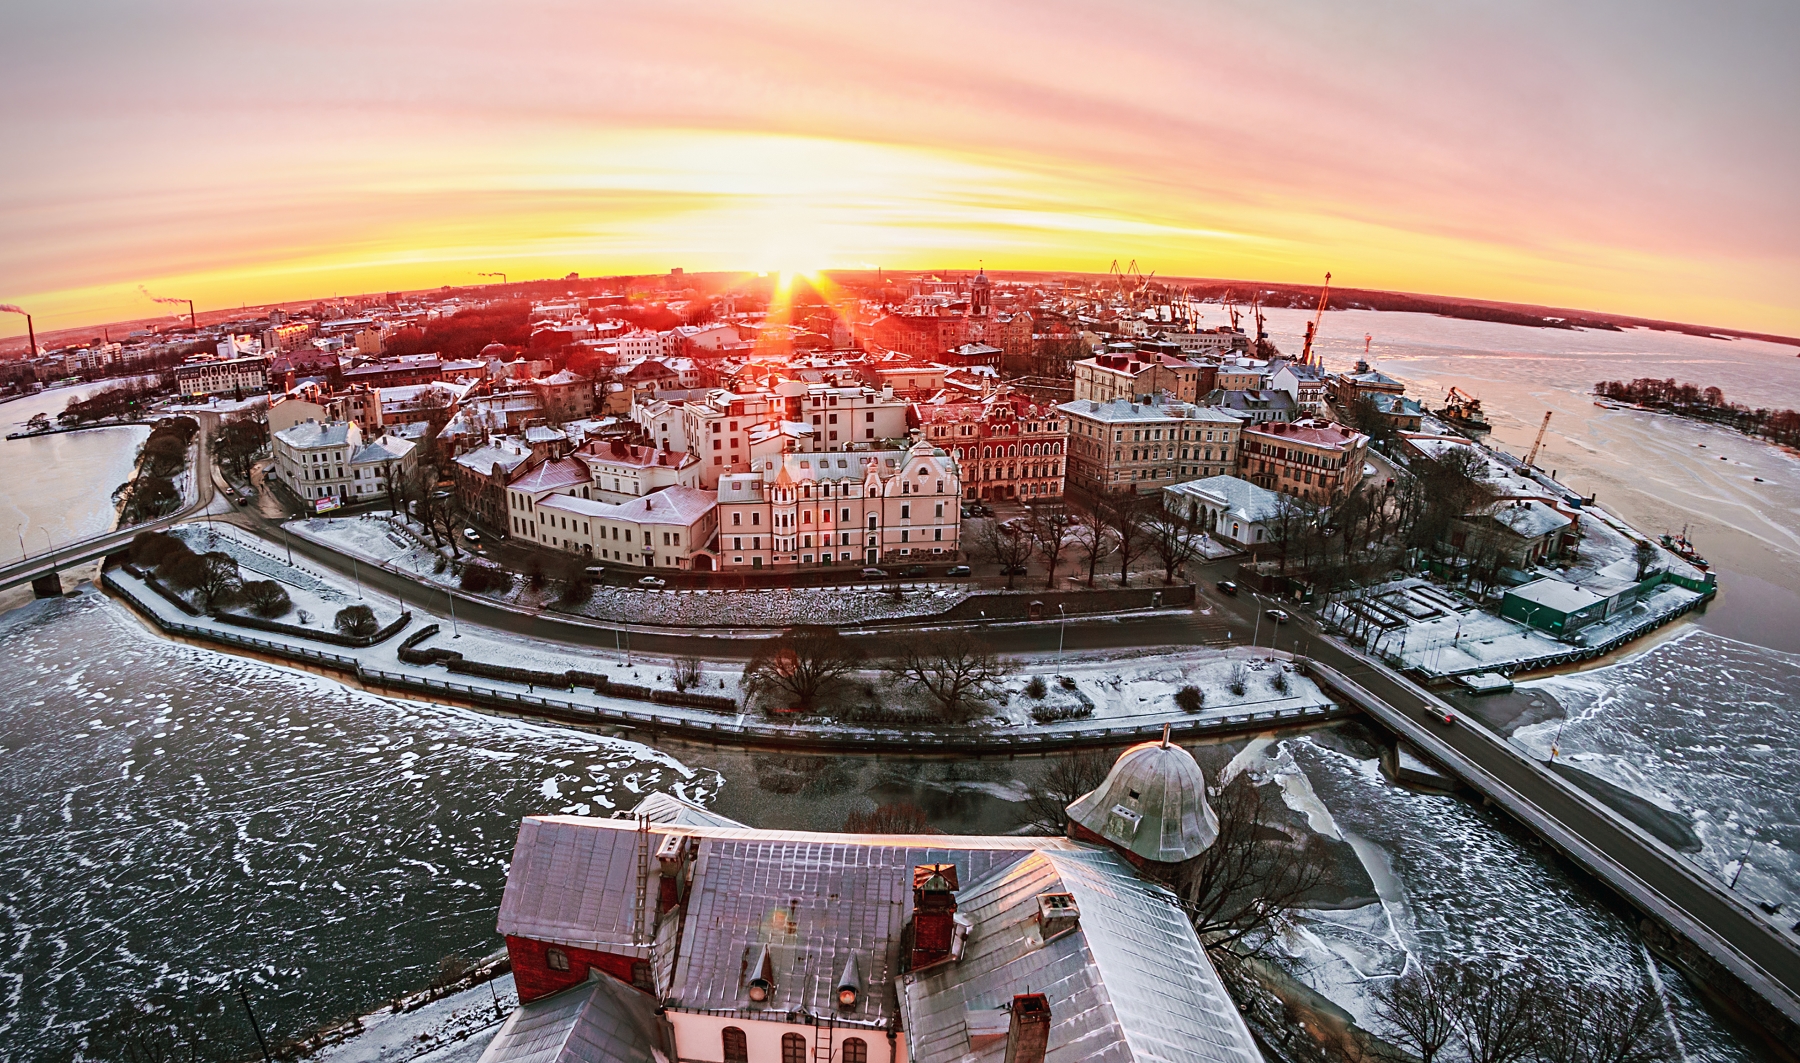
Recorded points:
934,913
1028,1037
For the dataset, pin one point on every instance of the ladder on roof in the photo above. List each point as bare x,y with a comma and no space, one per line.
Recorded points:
822,1029
638,934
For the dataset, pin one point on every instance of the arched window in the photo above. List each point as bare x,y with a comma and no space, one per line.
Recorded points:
556,959
856,1050
737,1049
793,1048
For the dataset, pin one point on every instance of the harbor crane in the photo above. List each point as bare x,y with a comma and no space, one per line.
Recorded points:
1312,327
1531,458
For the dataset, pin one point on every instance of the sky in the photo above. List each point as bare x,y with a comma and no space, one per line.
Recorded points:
1638,158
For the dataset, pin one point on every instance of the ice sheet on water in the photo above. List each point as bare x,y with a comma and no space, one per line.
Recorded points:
1706,727
263,842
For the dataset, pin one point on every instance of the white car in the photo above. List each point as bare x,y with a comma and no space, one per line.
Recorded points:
653,581
472,535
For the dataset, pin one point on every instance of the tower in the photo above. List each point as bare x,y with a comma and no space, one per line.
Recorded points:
978,294
1152,806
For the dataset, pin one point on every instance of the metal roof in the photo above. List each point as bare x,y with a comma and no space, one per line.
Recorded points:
572,884
601,1020
1130,983
1152,803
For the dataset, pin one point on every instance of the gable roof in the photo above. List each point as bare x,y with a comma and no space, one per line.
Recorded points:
553,476
1130,982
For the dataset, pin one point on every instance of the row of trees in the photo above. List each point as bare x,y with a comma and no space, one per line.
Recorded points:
119,402
807,667
240,442
465,333
216,582
152,493
1705,404
1093,530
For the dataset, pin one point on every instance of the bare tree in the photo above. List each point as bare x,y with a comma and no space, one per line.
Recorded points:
1048,526
1253,874
1068,777
896,817
1595,1022
1498,1009
800,666
1125,515
686,672
219,580
1173,539
1092,536
1009,544
955,668
1416,1006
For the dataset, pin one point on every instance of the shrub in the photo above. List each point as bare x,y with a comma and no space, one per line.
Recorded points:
1240,679
899,817
150,548
357,621
534,574
1190,698
184,569
1036,688
267,598
480,578
1055,713
1280,681
1067,682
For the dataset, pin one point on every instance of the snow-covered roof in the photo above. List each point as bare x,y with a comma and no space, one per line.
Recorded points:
671,505
1120,411
601,1020
1130,981
553,476
387,448
1395,405
664,807
1241,498
483,459
1528,518
1555,594
309,434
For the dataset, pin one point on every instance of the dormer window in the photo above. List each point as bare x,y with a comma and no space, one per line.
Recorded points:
556,959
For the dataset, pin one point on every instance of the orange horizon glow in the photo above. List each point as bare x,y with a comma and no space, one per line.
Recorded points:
1417,152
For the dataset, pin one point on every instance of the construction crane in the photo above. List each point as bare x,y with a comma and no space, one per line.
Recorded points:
1531,458
1312,327
1231,309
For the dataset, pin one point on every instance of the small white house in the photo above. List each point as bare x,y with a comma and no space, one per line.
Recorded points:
1231,510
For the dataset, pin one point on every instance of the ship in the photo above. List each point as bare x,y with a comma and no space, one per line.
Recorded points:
1682,548
1463,413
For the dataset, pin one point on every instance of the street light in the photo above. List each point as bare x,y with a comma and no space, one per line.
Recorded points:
1061,627
452,596
356,576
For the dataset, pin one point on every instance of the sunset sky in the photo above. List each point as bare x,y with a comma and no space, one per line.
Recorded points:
1639,157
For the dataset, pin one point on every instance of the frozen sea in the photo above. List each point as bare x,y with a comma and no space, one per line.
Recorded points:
175,820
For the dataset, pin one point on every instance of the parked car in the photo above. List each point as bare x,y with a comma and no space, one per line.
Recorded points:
1228,587
874,573
959,571
967,512
1280,616
913,570
653,581
981,509
472,535
596,571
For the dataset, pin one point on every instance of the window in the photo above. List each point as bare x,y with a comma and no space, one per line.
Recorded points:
793,1048
856,1050
556,959
905,512
737,1047
737,519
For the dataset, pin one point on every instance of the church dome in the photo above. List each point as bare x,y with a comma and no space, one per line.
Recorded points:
1152,805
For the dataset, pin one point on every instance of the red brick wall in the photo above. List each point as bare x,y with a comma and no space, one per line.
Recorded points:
535,979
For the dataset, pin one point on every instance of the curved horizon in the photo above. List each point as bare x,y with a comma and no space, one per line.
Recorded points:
1633,161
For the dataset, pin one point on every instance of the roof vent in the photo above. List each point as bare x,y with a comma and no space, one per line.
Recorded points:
850,985
760,975
1057,914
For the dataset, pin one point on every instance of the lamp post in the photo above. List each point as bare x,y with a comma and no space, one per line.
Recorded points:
287,545
448,593
1061,627
355,575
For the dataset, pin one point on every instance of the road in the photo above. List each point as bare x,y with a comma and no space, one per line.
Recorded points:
1643,870
70,554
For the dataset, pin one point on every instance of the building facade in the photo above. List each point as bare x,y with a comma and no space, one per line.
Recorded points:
1317,461
227,376
1146,446
1006,446
329,462
668,529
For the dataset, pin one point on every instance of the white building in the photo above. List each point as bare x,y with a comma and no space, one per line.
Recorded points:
330,460
223,377
622,471
1229,509
668,529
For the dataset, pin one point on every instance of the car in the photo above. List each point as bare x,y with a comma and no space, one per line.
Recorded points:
472,535
1280,616
913,570
596,571
959,571
1437,715
1013,570
653,581
967,512
874,573
1228,587
982,510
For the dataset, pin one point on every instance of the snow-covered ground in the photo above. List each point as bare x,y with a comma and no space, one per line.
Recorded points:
316,599
378,539
451,1029
1130,689
1706,729
1447,633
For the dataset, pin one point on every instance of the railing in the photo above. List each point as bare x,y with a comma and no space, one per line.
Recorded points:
889,740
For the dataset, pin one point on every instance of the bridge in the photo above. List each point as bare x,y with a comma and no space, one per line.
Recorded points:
41,570
1733,953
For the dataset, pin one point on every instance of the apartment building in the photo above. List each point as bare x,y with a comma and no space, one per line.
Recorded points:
225,376
721,429
1130,375
1313,460
857,508
1146,446
1006,446
622,471
668,529
330,464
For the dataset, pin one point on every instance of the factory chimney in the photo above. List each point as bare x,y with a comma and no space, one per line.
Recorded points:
192,323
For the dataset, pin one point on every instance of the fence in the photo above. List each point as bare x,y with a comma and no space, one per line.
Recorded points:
867,740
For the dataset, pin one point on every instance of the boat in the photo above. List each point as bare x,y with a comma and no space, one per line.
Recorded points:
1682,548
1463,413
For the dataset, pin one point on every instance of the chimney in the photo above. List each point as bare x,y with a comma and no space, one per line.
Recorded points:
1028,1037
31,331
934,936
671,859
1057,912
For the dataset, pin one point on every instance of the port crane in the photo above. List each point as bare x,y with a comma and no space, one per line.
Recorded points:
1531,458
1312,327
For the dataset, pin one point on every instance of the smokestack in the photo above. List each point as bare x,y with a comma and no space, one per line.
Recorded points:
192,322
32,332
1028,1037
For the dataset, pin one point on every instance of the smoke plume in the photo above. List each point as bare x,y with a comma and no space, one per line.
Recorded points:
8,308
